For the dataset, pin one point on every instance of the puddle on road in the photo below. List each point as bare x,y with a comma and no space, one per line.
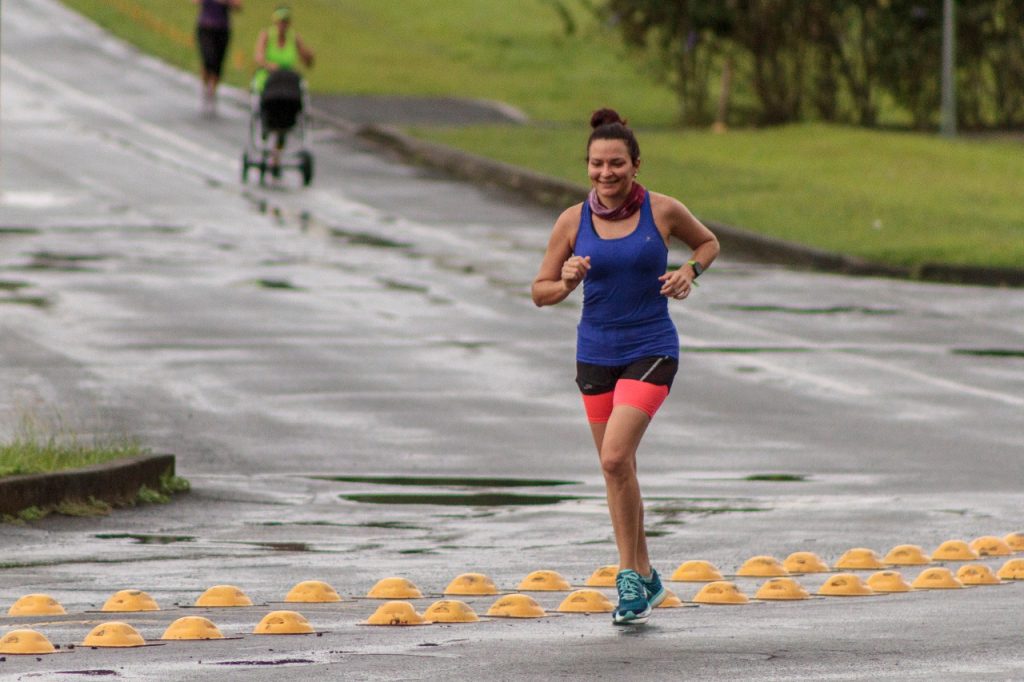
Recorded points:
671,510
277,284
89,673
63,262
776,477
279,546
800,310
34,301
144,539
386,525
448,481
460,500
990,352
467,345
395,285
276,661
366,239
745,349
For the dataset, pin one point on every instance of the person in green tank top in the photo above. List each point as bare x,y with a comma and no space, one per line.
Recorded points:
279,47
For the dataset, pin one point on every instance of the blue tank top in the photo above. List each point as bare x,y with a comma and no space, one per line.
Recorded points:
625,317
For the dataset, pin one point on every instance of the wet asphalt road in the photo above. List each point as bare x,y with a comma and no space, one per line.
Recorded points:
379,323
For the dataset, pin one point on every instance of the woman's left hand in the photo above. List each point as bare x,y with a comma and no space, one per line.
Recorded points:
676,284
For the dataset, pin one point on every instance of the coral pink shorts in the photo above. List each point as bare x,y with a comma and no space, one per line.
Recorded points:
643,384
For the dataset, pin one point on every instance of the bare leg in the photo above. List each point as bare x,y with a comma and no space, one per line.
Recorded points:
617,442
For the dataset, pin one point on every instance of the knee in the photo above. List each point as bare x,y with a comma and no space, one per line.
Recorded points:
617,464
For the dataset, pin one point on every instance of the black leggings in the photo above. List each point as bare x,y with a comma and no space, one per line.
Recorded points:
213,44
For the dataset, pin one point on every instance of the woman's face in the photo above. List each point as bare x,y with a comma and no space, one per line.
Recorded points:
611,170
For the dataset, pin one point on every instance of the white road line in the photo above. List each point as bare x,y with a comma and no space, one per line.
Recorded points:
71,93
791,340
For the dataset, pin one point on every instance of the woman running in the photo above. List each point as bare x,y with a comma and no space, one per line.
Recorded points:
627,348
213,33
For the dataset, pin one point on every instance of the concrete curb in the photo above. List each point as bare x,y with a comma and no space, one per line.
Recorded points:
114,482
557,193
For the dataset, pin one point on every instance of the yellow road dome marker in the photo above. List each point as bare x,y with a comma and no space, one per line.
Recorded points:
394,588
1012,570
36,605
954,550
313,592
859,558
1015,541
223,596
977,574
906,555
192,627
545,581
782,589
130,600
471,584
396,613
696,571
937,578
603,577
115,635
721,592
990,545
516,606
762,567
805,562
586,601
25,641
845,585
450,611
888,581
671,601
283,623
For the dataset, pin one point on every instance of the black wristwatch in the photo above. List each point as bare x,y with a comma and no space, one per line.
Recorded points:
697,268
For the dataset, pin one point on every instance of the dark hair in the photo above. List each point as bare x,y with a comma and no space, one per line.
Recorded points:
608,125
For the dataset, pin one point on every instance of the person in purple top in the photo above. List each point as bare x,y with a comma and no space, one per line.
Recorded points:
213,33
627,349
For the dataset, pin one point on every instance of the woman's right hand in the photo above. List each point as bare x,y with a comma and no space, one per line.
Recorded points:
574,270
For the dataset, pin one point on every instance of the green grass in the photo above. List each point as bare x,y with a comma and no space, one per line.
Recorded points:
516,52
37,449
896,198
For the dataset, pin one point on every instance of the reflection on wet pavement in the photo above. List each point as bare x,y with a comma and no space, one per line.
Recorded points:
798,310
990,352
367,239
146,539
455,499
448,481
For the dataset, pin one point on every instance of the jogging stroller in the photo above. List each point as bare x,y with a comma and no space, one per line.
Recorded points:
276,111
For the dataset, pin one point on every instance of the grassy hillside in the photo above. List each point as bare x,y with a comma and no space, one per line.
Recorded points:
901,198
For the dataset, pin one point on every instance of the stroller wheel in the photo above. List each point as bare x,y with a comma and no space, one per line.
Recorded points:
306,166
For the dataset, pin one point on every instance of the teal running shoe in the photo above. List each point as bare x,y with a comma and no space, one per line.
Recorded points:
656,592
633,605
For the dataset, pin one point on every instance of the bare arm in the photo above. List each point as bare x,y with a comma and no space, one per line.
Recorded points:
305,53
260,55
673,216
560,271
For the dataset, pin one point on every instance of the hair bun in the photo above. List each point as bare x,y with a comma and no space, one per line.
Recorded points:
603,117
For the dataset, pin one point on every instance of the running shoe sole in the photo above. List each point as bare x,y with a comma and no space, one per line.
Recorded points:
629,618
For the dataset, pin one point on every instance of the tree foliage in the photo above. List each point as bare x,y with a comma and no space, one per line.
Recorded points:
836,60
